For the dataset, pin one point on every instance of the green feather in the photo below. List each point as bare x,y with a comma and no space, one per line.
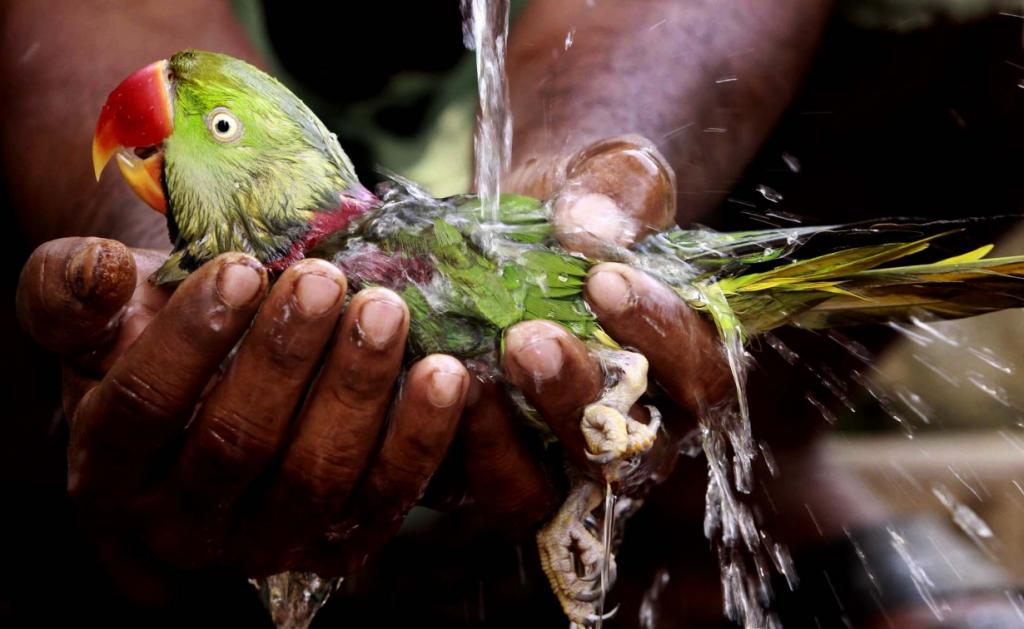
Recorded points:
259,192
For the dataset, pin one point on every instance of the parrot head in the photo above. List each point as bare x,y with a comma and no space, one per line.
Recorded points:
234,160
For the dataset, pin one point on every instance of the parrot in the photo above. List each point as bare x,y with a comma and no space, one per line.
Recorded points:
236,162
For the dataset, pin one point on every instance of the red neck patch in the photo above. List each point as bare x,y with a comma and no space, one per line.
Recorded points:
323,224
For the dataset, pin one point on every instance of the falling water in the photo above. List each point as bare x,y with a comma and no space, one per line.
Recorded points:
485,30
294,598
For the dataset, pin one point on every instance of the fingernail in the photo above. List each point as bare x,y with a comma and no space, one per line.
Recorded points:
316,294
600,216
82,271
609,292
238,284
444,389
379,320
540,357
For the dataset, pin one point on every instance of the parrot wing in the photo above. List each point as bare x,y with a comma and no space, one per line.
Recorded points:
854,286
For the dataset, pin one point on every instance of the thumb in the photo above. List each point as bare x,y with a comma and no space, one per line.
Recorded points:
616,192
71,288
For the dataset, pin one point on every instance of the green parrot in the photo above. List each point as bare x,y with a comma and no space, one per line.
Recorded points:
236,162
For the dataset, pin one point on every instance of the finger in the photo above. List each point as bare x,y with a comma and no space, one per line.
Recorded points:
147,300
681,346
243,421
150,394
558,377
616,193
337,431
74,385
83,371
70,289
505,479
420,430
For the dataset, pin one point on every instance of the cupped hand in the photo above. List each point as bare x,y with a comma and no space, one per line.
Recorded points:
277,458
610,195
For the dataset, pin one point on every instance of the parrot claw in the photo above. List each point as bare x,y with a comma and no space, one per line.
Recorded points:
595,618
655,422
572,556
613,436
601,459
571,551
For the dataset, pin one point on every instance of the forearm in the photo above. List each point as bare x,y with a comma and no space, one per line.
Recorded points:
59,60
705,80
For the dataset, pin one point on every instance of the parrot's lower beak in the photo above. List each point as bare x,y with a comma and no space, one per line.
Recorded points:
135,121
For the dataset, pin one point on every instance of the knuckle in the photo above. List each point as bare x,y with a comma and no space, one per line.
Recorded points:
320,472
195,332
358,403
144,395
287,351
420,454
233,438
359,386
392,493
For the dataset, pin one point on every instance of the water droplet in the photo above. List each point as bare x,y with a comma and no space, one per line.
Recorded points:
965,518
922,582
783,350
769,193
649,605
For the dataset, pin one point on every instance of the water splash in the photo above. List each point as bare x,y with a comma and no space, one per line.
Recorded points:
294,598
650,604
922,582
769,193
485,30
967,520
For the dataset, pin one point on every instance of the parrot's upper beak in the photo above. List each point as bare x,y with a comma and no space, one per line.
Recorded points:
135,120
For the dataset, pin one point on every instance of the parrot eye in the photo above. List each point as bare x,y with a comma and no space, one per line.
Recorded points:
224,125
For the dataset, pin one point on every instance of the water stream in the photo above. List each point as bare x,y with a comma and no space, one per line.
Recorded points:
485,30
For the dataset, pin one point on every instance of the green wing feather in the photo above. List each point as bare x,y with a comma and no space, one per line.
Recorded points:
854,286
491,275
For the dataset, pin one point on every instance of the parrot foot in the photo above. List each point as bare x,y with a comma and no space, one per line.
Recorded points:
573,556
611,434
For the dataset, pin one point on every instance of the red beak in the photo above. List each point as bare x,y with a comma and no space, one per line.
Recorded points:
135,120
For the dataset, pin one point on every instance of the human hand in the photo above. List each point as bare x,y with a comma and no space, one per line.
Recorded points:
196,467
607,195
610,195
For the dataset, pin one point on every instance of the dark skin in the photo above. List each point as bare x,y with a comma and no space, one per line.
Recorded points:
614,195
134,351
